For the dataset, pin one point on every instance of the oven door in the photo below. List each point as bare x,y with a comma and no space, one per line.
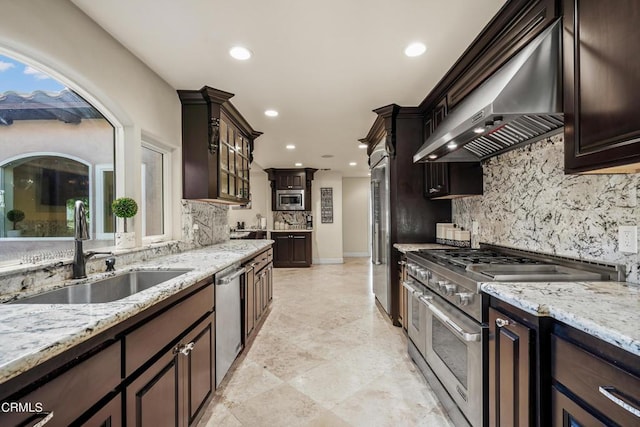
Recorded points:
454,353
417,314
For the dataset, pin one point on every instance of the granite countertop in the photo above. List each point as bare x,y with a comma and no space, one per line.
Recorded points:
38,332
609,311
306,230
410,247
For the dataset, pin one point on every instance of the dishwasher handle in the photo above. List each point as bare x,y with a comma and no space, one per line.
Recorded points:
225,280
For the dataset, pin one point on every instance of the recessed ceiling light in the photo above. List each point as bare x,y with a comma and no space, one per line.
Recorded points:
240,53
352,163
298,164
415,49
362,145
271,113
433,156
452,145
290,147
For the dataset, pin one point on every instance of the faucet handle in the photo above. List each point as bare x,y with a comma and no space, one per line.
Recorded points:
110,263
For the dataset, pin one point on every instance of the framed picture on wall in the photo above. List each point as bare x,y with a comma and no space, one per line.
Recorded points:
326,205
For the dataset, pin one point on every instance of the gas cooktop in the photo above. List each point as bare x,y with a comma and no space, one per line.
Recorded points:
466,257
504,264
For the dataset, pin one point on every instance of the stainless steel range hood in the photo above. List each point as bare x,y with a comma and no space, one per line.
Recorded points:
519,104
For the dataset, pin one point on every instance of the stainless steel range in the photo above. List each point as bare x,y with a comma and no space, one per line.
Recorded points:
446,326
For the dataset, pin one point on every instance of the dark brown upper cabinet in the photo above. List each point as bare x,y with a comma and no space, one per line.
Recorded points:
295,180
291,179
446,180
601,86
217,147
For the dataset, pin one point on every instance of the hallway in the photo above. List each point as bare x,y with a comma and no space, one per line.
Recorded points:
326,357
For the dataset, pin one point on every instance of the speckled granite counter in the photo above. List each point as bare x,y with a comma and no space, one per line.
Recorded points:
38,332
409,247
609,311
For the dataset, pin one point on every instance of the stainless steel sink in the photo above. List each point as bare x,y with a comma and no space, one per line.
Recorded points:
105,290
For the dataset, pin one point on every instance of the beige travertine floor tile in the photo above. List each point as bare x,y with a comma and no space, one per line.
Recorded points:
247,381
326,356
282,406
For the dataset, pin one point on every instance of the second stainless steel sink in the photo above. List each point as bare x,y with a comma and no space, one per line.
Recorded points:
105,290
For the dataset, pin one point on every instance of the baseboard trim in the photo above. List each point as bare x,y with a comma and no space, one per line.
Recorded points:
356,254
328,261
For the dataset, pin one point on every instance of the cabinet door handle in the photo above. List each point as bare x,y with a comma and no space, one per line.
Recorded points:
186,349
501,323
433,190
609,392
45,420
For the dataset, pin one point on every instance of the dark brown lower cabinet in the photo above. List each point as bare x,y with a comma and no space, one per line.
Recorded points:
257,291
84,384
155,398
291,249
110,415
567,413
249,300
511,374
594,384
174,389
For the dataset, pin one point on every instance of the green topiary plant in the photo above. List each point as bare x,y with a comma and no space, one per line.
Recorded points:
124,207
15,216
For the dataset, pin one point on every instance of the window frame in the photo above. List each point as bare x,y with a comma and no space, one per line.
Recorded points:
151,143
92,194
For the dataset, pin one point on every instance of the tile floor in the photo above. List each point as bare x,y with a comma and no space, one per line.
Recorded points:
325,356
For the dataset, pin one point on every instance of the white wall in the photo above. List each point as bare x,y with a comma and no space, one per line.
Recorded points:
355,217
327,238
260,202
58,38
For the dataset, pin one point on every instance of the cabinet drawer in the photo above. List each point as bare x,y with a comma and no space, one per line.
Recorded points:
263,259
592,379
146,341
84,385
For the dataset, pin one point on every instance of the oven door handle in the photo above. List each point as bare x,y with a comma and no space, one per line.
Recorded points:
410,288
467,336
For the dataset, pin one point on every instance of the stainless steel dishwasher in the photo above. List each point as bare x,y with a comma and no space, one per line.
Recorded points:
228,319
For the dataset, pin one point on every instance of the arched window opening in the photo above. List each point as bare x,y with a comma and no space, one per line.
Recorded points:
55,148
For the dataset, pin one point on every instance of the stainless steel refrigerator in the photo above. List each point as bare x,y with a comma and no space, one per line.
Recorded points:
380,226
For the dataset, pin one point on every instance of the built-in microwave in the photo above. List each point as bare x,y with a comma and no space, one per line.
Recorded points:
289,200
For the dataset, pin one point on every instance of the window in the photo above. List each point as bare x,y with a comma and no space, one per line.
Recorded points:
55,148
154,179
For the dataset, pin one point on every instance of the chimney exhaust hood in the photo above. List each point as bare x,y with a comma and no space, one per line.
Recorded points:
519,104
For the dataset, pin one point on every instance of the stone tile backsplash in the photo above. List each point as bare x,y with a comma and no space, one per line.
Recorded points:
529,203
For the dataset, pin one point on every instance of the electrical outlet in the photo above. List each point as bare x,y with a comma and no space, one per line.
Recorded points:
628,239
475,228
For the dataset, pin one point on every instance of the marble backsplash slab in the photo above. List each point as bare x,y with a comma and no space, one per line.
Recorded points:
204,223
529,203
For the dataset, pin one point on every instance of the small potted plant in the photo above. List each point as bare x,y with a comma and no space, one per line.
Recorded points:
15,216
125,207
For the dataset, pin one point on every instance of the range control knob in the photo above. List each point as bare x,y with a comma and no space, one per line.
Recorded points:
422,275
450,289
446,288
464,298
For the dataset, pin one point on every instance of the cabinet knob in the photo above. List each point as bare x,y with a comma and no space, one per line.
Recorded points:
501,323
186,349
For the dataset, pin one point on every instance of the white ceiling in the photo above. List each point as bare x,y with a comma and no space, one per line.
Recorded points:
324,65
